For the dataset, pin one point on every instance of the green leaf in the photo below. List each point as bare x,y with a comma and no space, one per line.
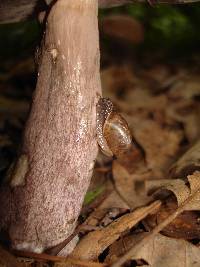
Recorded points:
91,195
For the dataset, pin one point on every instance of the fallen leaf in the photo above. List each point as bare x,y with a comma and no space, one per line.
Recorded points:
121,246
159,151
113,201
57,260
186,88
128,185
163,251
184,107
185,226
187,113
188,163
191,202
118,83
181,190
8,260
187,191
102,238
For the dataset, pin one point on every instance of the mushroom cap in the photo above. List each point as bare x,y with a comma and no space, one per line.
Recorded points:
19,10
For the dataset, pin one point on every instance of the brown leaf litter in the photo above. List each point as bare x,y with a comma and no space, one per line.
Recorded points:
151,208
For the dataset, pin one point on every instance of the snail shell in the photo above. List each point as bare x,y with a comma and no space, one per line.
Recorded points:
113,134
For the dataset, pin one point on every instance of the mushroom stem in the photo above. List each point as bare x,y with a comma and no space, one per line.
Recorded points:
60,135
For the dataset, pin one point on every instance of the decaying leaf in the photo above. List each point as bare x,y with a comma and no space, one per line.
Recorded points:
160,76
161,251
159,151
186,88
184,104
117,81
185,226
176,186
121,246
43,259
191,202
8,260
187,113
109,208
161,104
102,238
129,186
189,195
188,163
113,201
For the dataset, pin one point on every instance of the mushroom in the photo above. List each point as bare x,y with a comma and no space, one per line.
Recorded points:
42,199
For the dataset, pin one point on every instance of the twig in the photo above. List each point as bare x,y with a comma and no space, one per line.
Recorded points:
56,249
46,257
96,242
129,254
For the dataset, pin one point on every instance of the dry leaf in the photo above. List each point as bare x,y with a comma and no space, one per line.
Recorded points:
113,201
8,260
117,81
162,251
158,72
181,190
187,113
56,260
188,163
159,143
130,93
129,186
121,246
186,88
184,107
191,202
102,238
176,186
185,226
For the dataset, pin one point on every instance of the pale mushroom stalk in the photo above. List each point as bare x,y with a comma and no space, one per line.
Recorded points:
59,147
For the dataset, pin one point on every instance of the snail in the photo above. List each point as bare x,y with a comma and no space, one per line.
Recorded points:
113,134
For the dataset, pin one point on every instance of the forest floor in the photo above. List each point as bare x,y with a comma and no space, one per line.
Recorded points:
138,211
